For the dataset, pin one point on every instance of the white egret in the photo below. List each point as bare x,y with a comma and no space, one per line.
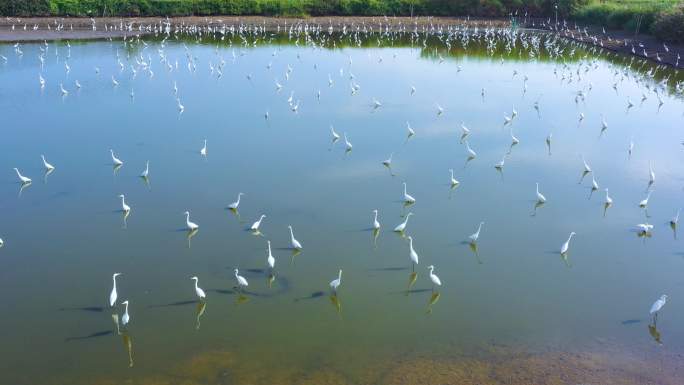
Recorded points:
1,242
566,245
125,319
587,169
234,205
191,226
388,162
609,200
114,82
644,203
203,150
62,90
413,256
471,154
255,225
434,278
657,305
540,197
146,171
113,295
410,130
335,283
124,207
675,220
514,140
48,166
453,180
594,183
242,282
270,260
347,143
293,242
335,135
22,179
116,161
376,224
408,198
473,237
402,226
500,165
644,227
200,293
651,174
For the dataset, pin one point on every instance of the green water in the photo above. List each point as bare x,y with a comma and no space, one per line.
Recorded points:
64,236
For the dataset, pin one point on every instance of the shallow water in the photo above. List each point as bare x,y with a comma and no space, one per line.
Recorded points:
64,236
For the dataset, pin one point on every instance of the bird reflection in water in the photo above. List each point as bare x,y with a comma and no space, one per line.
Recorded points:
655,334
376,234
124,217
335,301
47,173
537,205
128,344
199,310
23,186
475,250
433,300
295,252
412,281
189,234
241,298
270,279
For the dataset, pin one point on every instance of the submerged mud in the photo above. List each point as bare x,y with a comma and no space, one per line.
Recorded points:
496,366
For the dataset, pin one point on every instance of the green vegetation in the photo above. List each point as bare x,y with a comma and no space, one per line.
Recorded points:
661,17
631,15
487,8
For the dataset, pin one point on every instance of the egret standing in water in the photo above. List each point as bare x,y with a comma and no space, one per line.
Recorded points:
198,290
376,224
473,238
453,180
402,226
335,283
48,166
146,171
609,200
566,245
203,150
270,260
234,205
657,305
22,179
191,226
408,198
540,197
413,256
124,207
347,143
116,161
434,278
113,295
255,225
293,242
241,281
125,318
644,203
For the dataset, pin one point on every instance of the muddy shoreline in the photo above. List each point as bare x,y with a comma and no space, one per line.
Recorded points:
45,28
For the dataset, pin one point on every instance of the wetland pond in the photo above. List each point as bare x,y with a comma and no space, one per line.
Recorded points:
510,309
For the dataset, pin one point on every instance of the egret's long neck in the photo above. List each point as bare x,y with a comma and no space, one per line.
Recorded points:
239,196
18,173
291,233
404,188
339,275
126,307
187,218
452,173
376,216
195,283
114,281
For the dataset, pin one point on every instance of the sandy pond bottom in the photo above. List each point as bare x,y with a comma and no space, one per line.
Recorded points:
495,364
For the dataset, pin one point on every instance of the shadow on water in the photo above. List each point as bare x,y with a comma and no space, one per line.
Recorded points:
314,295
172,304
397,268
91,309
630,321
89,336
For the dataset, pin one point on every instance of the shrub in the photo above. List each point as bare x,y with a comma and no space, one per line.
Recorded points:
669,25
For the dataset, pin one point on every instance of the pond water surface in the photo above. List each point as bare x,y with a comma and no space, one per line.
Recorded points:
503,301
